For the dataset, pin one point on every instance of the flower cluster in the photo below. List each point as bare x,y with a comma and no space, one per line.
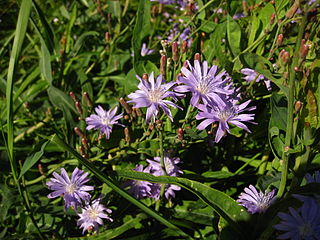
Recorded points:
254,201
252,75
142,189
214,95
75,194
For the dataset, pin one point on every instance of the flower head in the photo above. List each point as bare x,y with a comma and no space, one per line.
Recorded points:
205,84
152,94
171,170
139,189
224,114
73,191
315,178
184,35
300,224
103,120
92,215
252,75
145,51
254,201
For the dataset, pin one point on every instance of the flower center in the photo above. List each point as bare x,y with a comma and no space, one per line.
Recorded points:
204,84
70,188
224,115
105,121
169,166
93,214
305,230
155,95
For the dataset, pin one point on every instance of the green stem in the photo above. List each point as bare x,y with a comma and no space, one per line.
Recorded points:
289,129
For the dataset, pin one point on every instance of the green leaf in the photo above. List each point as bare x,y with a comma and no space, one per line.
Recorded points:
234,36
224,205
141,29
60,99
33,159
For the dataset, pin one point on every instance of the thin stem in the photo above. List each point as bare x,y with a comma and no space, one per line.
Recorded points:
289,129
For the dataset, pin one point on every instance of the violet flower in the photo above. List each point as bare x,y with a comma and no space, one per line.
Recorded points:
254,201
145,51
252,75
183,36
225,114
315,178
92,216
73,191
139,189
171,170
152,94
300,224
103,120
205,84
166,2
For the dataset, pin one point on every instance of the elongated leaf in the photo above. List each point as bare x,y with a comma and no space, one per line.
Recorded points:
60,99
33,159
234,35
106,179
224,205
141,29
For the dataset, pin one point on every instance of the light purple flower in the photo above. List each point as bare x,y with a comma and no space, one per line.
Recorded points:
152,94
184,36
238,16
252,75
92,216
229,113
103,120
205,84
73,191
145,51
171,170
166,2
254,201
139,189
315,178
301,224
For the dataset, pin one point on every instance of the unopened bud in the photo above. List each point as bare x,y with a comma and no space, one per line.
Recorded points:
40,168
185,64
180,134
284,56
73,96
279,39
174,48
164,44
184,47
163,65
154,10
126,117
151,126
304,48
197,56
78,107
272,17
296,69
203,35
87,99
107,37
79,132
127,135
145,76
125,105
82,150
297,106
84,142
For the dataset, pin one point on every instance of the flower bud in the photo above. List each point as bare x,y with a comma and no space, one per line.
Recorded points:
184,47
145,76
78,107
125,105
127,135
107,37
163,65
197,56
272,17
84,142
279,39
174,48
79,132
40,168
87,99
180,133
73,96
297,106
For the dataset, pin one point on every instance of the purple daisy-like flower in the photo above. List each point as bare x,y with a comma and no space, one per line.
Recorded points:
139,189
152,94
73,190
103,120
315,178
252,75
145,51
254,201
301,224
184,36
92,216
225,114
171,170
205,84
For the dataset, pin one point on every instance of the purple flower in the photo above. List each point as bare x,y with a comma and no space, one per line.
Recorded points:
139,189
301,224
92,215
315,178
171,169
225,114
145,51
73,191
103,120
238,16
204,84
151,94
184,36
252,75
167,2
254,201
